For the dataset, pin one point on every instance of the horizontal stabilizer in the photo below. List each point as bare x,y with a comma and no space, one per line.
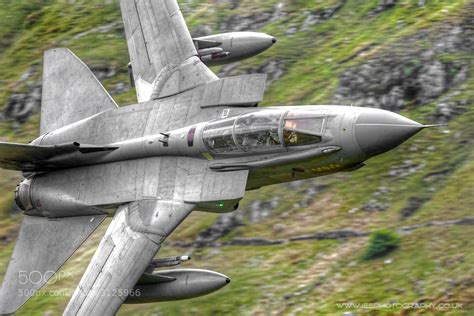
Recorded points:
33,158
71,92
42,247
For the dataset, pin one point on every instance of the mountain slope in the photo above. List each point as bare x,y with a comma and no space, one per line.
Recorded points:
413,57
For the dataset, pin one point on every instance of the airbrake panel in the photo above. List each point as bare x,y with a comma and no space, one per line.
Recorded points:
246,90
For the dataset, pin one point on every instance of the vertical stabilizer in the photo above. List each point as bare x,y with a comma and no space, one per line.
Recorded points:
71,92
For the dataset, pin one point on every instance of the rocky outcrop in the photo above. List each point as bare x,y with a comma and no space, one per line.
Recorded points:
233,4
256,211
414,204
119,88
201,30
274,69
259,210
385,4
221,227
375,206
310,195
406,74
253,21
406,168
26,99
449,106
20,106
104,72
393,81
320,15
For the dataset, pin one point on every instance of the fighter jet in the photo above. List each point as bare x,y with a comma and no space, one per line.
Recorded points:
193,141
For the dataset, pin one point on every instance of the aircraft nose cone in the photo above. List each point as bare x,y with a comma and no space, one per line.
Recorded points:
274,40
378,131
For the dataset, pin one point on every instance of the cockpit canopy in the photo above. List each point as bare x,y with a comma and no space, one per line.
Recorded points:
303,128
267,130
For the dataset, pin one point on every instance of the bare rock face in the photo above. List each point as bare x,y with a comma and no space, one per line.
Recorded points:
405,169
433,79
259,210
21,105
274,69
408,75
413,205
104,72
120,87
392,81
310,194
379,201
385,4
254,21
234,4
221,227
448,107
321,15
26,100
201,30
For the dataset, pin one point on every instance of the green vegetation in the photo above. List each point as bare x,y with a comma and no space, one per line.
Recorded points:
381,242
431,264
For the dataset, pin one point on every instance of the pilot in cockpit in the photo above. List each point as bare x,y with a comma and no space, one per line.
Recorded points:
290,136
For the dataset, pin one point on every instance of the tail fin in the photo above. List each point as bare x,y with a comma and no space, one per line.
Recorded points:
71,92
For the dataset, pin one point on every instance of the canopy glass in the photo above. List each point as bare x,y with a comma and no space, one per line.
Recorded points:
269,130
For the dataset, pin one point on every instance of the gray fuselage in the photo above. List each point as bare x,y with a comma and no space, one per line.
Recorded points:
276,144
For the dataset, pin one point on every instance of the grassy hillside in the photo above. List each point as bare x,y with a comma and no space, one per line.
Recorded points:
424,190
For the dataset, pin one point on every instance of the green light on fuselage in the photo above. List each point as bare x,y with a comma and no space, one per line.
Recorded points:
220,204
